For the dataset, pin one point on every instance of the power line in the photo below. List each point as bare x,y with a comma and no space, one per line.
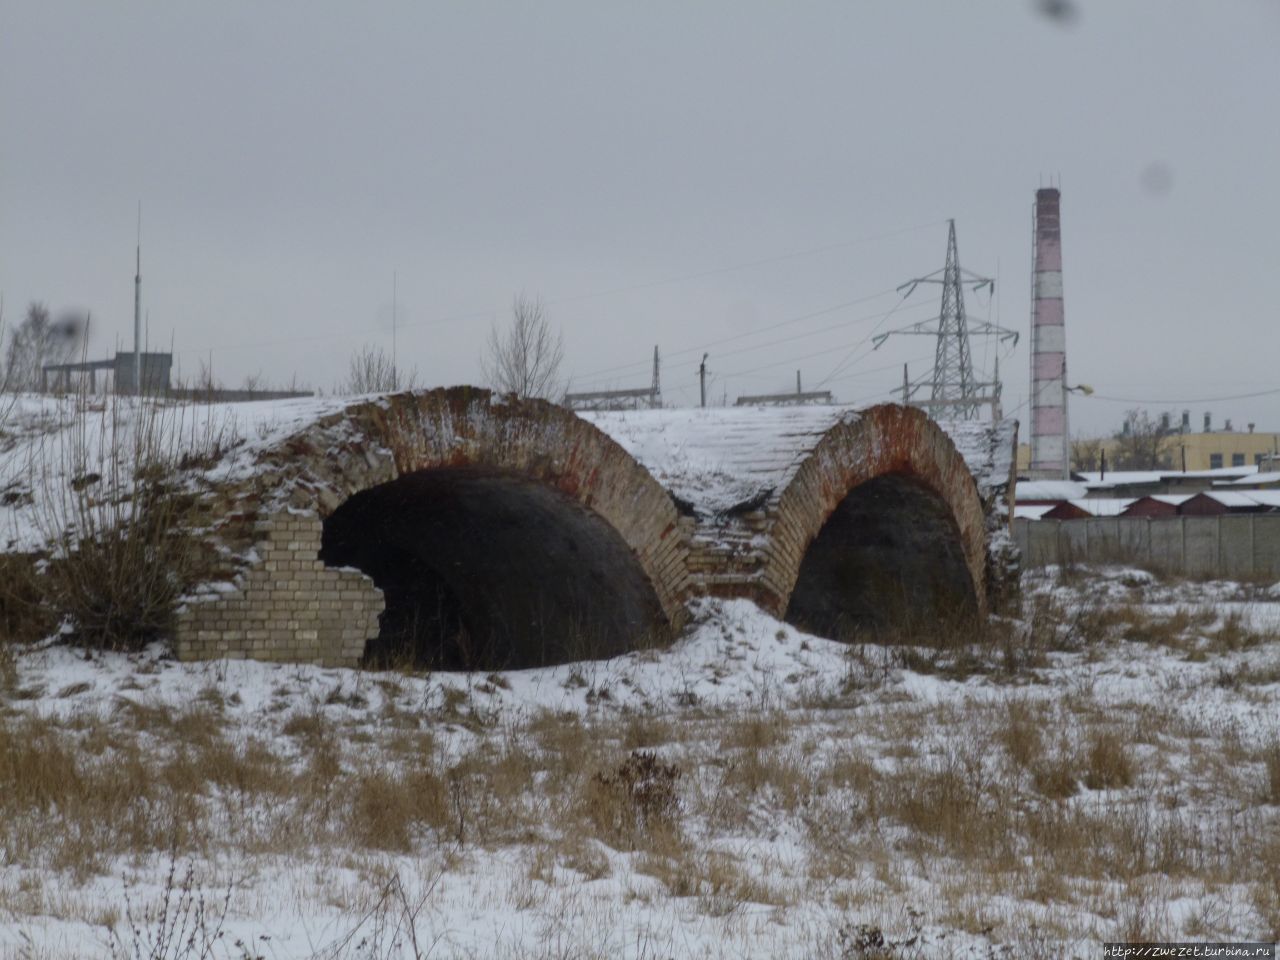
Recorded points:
891,366
773,343
848,357
705,346
1238,396
324,338
746,265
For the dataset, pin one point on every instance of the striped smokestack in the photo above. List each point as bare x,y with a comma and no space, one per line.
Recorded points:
1050,455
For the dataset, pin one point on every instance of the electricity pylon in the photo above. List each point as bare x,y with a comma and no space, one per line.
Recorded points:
955,393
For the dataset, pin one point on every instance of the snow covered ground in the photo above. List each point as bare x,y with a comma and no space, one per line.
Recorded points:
1107,767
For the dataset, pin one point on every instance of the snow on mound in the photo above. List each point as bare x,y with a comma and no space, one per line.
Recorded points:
711,459
734,656
52,446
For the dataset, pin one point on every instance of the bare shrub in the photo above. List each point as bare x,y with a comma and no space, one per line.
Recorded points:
525,358
40,340
119,586
390,927
121,528
181,925
24,615
371,370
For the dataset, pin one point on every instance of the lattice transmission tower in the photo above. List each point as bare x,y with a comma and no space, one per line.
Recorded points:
955,393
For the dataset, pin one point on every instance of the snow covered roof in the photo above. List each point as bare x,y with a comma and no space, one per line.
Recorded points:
1252,480
1022,511
988,448
1115,478
1049,490
1232,500
1102,506
719,457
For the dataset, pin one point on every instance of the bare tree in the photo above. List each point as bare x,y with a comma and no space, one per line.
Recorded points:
372,371
206,382
1140,444
1085,454
525,358
37,341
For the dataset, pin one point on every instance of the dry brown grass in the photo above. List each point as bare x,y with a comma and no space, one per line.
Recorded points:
719,883
387,811
1056,800
1271,765
756,732
1107,762
646,730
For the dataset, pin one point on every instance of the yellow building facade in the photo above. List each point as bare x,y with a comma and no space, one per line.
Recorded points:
1203,451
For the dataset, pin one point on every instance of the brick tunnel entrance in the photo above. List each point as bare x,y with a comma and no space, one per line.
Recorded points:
483,570
887,563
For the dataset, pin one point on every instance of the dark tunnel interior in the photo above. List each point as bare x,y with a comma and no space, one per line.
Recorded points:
887,563
482,570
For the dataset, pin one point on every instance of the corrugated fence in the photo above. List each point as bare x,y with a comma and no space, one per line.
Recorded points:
1225,546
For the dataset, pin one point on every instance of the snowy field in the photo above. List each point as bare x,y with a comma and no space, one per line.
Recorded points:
1107,767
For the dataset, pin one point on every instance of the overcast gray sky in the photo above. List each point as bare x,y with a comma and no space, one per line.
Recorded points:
671,173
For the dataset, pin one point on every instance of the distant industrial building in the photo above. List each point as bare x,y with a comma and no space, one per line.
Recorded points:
1193,452
118,374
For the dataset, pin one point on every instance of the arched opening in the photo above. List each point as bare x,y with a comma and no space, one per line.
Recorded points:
888,563
483,570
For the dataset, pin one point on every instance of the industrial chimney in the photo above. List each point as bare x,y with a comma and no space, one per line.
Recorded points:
1049,459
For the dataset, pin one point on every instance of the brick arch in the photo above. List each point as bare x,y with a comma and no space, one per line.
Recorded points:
885,441
377,441
284,602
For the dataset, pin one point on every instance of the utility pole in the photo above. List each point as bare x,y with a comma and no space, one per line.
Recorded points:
702,378
395,380
137,312
655,389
